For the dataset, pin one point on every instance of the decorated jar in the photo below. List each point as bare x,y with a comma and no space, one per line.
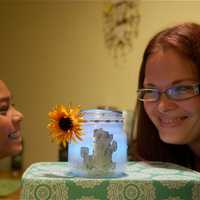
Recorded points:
102,152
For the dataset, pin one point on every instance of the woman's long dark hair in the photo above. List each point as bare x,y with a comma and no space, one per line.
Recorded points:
185,39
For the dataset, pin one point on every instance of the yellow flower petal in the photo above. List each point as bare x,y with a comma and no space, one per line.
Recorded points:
69,129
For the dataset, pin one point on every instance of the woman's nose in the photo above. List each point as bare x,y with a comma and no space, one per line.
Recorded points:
17,116
165,104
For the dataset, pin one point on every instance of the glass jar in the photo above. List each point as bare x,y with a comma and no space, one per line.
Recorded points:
103,149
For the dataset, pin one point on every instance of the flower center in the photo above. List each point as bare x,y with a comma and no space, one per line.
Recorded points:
65,123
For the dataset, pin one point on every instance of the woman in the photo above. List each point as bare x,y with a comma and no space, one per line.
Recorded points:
167,115
10,119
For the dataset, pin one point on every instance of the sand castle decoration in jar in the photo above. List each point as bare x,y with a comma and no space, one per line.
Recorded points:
94,137
101,159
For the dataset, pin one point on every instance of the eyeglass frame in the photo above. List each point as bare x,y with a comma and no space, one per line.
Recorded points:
196,89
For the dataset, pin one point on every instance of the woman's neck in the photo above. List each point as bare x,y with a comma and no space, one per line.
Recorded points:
195,147
197,164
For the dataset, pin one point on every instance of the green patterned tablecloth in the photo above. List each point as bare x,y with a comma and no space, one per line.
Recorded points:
143,181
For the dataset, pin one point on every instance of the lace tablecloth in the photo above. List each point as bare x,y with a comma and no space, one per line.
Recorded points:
142,181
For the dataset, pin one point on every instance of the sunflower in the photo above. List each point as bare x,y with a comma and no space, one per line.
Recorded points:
65,124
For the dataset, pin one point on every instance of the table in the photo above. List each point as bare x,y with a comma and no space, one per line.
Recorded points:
142,181
10,185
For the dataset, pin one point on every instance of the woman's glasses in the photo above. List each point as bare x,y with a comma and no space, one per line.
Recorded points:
179,92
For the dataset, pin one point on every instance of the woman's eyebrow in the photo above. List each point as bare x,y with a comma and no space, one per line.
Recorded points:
182,81
7,98
149,85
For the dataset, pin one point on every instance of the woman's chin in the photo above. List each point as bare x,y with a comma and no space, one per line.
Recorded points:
16,150
171,138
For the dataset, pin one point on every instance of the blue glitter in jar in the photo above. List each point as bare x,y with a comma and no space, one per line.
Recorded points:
103,149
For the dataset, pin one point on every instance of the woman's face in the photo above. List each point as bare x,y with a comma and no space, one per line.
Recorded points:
178,122
10,119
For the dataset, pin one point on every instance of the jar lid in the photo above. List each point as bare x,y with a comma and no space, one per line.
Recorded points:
102,115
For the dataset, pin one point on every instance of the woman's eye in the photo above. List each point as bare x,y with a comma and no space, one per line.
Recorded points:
4,110
183,89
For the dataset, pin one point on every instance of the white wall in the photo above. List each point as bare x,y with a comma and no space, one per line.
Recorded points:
53,52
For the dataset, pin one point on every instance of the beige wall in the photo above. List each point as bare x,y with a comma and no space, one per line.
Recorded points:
53,52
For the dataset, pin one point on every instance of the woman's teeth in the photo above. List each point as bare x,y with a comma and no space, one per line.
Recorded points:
172,121
13,136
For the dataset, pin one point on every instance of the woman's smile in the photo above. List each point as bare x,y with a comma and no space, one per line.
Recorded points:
15,136
171,122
